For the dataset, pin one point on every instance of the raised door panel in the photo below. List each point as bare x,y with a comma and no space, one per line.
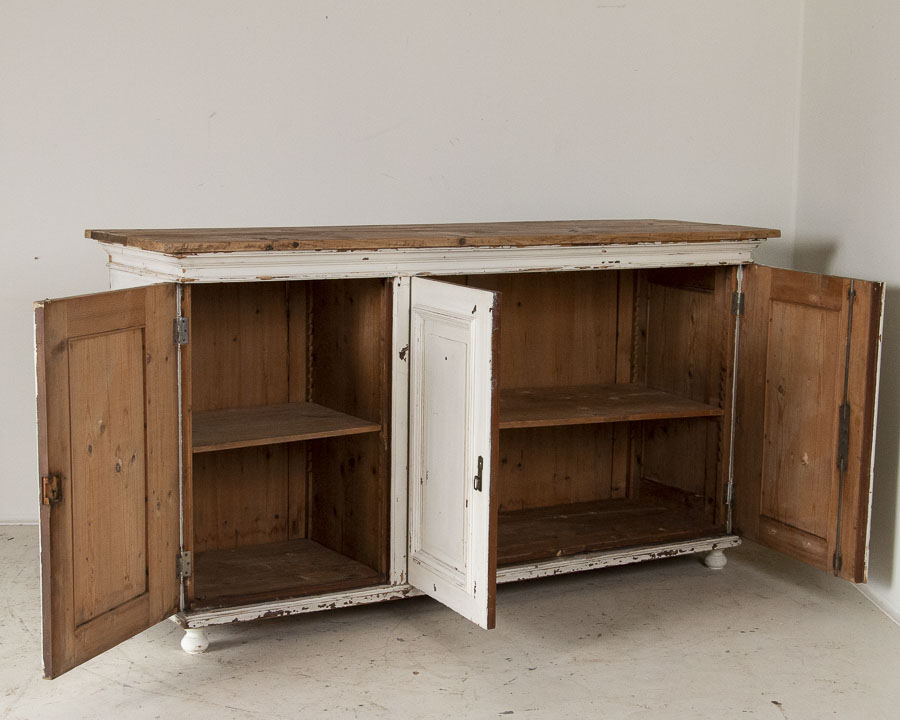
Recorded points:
453,447
805,415
108,446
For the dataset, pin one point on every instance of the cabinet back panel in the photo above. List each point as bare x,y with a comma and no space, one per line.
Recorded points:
349,360
241,497
240,357
558,328
239,344
546,466
684,335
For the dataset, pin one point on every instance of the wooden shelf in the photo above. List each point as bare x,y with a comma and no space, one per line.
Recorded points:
275,571
269,424
540,533
588,404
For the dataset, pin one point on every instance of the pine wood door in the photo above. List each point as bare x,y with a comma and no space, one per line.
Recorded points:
805,415
453,446
108,448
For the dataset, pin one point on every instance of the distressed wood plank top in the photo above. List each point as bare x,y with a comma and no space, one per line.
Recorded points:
381,237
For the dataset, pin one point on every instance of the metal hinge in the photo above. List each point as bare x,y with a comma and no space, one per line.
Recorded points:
480,471
181,331
843,448
183,564
737,303
50,492
729,493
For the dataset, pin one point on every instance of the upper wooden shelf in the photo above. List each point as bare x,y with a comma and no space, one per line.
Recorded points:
589,404
269,424
193,241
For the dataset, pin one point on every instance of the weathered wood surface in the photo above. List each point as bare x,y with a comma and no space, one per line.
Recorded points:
376,237
107,399
528,535
589,404
793,360
276,570
246,427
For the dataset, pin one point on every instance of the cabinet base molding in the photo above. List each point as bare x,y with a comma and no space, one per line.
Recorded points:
544,568
611,558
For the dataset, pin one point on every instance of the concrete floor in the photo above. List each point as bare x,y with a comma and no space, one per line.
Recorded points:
765,638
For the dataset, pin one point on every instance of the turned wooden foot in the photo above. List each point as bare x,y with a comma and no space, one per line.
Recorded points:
194,641
715,559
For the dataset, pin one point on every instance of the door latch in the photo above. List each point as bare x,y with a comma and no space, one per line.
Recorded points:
478,476
50,492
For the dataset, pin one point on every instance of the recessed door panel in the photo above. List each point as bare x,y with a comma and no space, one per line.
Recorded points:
453,444
108,442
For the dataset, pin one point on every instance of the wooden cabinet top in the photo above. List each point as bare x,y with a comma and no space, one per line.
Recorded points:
190,241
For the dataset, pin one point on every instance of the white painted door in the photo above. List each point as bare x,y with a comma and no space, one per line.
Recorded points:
453,446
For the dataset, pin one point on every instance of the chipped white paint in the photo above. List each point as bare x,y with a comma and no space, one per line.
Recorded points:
513,573
399,427
612,558
449,433
295,606
315,264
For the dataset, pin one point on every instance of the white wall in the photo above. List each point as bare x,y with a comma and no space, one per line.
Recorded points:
848,209
127,114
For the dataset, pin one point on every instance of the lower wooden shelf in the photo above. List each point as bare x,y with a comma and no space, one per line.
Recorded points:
275,571
540,533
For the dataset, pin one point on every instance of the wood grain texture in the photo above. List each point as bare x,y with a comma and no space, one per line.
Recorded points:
591,404
87,393
374,237
349,370
538,468
277,570
106,376
529,535
559,330
790,388
686,348
239,358
240,497
270,424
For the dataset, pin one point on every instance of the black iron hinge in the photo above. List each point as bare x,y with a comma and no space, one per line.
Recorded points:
843,448
737,303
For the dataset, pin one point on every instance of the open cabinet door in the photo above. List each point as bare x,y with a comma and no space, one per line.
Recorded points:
107,376
805,419
453,446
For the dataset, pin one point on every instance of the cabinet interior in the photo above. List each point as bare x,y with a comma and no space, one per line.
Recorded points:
615,390
614,393
288,482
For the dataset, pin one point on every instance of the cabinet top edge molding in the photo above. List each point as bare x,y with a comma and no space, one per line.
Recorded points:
198,241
